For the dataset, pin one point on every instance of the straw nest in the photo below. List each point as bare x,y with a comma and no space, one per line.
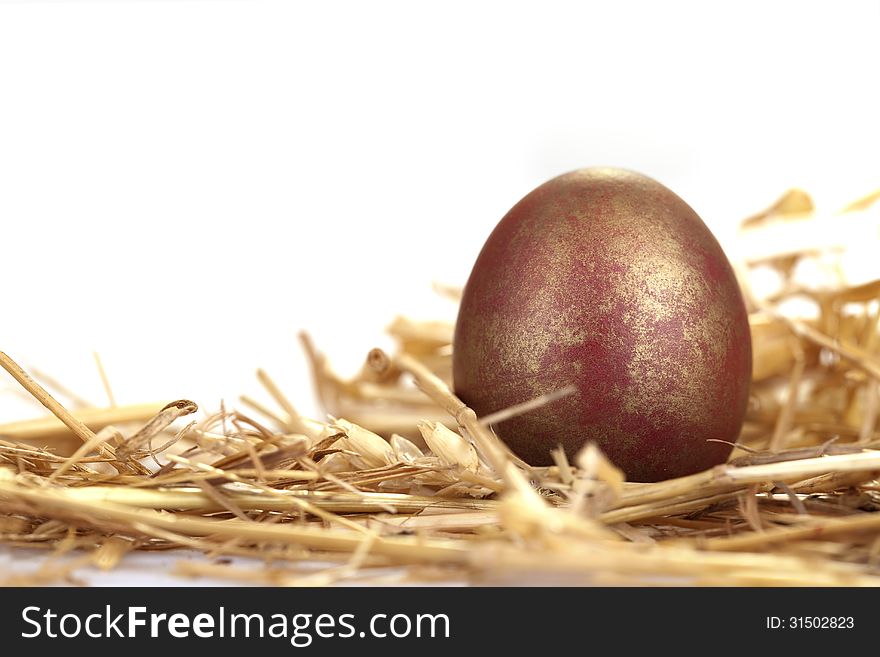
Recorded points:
403,482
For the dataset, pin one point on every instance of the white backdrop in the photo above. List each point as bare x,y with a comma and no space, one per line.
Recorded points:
184,185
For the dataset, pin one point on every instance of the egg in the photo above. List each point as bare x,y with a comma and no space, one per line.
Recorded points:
605,280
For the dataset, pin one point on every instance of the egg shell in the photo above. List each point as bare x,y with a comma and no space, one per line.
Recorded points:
605,279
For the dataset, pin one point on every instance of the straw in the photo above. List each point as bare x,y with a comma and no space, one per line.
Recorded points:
402,482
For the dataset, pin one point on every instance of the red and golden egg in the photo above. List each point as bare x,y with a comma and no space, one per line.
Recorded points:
605,279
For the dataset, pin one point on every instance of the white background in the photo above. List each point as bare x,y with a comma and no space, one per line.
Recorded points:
184,185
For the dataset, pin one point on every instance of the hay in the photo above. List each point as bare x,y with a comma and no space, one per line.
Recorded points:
403,482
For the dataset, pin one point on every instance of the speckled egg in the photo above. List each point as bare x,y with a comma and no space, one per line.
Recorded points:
604,279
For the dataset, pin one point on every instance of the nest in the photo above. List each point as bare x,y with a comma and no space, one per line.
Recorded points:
404,483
